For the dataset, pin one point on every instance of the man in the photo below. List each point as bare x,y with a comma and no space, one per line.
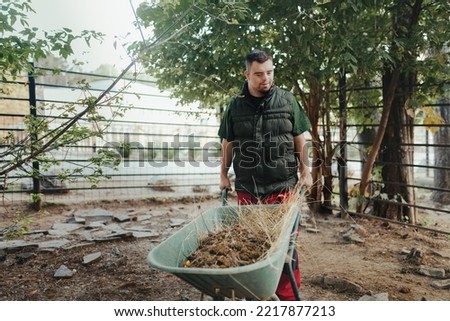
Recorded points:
262,135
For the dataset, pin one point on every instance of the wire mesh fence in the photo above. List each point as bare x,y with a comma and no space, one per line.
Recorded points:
159,147
162,148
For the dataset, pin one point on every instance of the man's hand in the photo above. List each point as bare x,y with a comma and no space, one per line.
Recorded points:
306,179
227,156
224,183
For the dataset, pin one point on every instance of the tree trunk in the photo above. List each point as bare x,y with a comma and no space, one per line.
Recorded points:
389,88
396,152
312,104
366,137
396,146
442,157
315,195
328,150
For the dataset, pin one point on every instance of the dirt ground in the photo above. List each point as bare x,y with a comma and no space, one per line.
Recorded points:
383,258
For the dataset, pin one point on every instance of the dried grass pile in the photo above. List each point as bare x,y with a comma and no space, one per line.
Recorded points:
252,236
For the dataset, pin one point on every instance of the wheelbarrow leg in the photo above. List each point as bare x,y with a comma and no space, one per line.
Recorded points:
293,282
291,259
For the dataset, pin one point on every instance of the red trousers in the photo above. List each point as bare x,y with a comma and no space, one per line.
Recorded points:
284,289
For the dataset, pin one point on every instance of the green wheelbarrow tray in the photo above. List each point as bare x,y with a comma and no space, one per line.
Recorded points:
257,281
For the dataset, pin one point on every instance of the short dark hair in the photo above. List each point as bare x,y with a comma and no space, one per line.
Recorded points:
258,55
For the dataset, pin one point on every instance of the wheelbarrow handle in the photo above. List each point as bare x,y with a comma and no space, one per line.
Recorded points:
224,196
303,191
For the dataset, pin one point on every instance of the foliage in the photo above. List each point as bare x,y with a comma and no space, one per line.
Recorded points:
124,149
313,44
311,41
21,44
18,227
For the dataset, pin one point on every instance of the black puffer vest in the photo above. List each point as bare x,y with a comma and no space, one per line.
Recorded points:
264,159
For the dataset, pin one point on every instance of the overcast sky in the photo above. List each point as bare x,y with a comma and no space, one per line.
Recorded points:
113,17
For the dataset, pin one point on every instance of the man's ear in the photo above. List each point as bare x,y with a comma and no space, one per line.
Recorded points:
246,73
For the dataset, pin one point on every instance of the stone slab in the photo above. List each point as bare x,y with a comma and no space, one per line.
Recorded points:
96,214
63,272
69,227
432,272
442,284
139,234
17,245
53,244
175,222
91,258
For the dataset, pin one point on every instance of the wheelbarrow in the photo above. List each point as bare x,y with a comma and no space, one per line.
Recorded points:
256,281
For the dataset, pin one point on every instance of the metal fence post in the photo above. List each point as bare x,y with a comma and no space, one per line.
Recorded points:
342,158
34,137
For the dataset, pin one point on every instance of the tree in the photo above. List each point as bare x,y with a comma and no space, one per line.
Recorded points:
21,44
204,61
314,43
442,156
414,28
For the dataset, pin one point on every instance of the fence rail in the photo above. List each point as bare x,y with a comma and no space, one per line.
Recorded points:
173,150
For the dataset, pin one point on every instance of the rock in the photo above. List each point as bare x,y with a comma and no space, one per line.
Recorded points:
36,233
442,284
351,236
376,297
312,230
78,245
354,234
175,222
90,215
53,244
405,252
95,225
63,272
414,254
114,228
174,209
17,245
145,217
64,229
37,236
434,252
21,258
123,217
430,271
77,219
2,255
360,230
58,233
91,258
68,227
341,285
141,234
86,235
103,236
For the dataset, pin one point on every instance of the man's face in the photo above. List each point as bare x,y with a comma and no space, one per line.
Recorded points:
260,78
